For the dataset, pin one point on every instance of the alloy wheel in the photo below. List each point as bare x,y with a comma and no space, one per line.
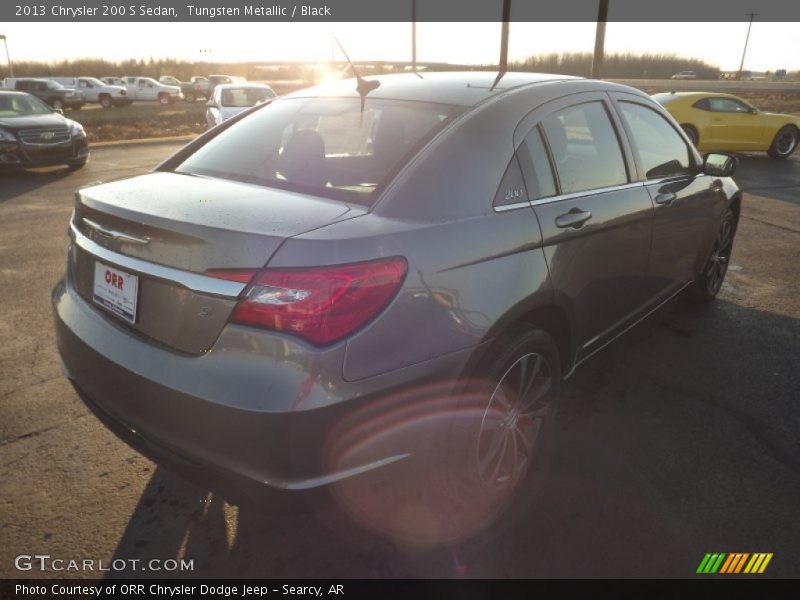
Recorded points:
513,421
720,257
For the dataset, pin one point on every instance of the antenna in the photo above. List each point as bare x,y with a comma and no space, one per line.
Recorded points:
363,87
503,67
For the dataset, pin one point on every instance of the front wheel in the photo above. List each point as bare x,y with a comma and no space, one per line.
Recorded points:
106,101
163,99
707,285
784,143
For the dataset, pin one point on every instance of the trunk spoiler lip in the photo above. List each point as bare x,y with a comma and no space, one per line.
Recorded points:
192,281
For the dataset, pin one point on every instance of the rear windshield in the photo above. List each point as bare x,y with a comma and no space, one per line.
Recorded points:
323,146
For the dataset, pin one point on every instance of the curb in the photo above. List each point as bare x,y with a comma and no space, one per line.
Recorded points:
143,141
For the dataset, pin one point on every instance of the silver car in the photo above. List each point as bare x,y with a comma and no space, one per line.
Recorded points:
378,287
229,99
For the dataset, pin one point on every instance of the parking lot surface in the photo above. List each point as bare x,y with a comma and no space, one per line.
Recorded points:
678,440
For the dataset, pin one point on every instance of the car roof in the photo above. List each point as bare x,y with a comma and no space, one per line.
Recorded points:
465,88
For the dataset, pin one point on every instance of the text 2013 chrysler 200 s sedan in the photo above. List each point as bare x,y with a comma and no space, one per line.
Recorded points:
345,282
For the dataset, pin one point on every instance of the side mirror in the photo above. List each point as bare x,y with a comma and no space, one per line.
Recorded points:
720,165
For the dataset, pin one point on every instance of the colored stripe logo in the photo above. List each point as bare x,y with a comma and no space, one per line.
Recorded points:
734,563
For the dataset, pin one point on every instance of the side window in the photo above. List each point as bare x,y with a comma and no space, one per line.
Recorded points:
661,150
536,166
702,104
585,148
512,187
727,105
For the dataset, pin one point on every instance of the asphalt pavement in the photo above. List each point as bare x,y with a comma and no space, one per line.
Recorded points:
678,440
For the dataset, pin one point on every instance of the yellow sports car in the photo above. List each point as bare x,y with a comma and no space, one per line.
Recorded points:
725,122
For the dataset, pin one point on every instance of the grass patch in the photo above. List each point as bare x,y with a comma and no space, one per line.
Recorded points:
141,120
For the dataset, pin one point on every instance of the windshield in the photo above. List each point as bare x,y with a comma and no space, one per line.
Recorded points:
12,105
245,96
323,146
94,81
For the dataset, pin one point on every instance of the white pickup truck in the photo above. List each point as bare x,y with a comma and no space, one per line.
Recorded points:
95,90
148,89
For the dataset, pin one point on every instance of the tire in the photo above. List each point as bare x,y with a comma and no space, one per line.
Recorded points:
691,133
106,102
497,454
74,166
785,142
190,97
57,104
163,99
707,285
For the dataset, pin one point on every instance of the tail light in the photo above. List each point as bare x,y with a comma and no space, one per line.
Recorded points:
321,304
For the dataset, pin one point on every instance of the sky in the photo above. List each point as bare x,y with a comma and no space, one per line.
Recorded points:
772,45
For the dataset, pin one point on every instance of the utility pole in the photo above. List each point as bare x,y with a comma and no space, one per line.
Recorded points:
414,35
8,56
503,65
599,39
752,15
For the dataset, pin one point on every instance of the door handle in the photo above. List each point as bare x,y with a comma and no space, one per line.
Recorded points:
665,198
575,218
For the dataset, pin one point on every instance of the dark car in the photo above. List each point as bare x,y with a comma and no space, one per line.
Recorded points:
380,288
34,135
54,94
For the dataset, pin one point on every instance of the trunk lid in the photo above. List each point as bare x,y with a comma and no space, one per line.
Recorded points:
168,229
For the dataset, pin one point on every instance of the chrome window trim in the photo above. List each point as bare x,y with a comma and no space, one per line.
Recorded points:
192,281
592,192
515,206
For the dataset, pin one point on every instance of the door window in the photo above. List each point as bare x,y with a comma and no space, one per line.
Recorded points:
727,105
585,148
536,166
660,149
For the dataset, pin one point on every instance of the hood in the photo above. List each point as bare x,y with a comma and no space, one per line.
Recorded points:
33,122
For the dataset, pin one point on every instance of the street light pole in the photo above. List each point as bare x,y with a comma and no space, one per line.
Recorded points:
746,39
8,56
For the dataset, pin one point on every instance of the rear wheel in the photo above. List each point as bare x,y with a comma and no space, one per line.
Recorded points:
499,447
691,133
785,142
707,285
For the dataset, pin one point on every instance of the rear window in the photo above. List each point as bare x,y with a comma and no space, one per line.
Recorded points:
245,96
322,146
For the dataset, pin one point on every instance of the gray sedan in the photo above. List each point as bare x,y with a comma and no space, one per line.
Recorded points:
378,287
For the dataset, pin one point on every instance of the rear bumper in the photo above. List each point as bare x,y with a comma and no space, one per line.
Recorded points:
242,416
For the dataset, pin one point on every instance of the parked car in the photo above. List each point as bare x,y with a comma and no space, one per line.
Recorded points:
725,122
32,134
339,286
685,75
97,91
229,99
114,81
52,93
149,90
215,80
196,87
